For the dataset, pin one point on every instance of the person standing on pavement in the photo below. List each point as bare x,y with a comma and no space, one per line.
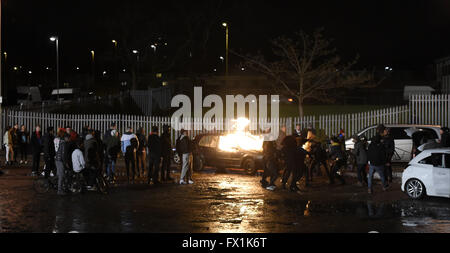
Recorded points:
377,161
166,152
184,148
337,156
291,157
60,160
106,136
270,165
112,150
389,147
445,137
73,136
15,142
7,141
360,152
154,147
91,158
49,151
36,147
24,140
141,154
129,145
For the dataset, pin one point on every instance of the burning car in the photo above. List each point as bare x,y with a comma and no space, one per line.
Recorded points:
236,149
216,151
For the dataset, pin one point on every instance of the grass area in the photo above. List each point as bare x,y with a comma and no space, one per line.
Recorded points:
291,110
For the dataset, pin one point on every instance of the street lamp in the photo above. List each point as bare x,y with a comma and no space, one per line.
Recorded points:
154,48
136,52
226,47
92,69
56,39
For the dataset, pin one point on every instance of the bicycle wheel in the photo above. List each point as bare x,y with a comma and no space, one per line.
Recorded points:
102,185
41,185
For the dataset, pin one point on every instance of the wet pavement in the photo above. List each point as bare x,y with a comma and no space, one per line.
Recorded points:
228,202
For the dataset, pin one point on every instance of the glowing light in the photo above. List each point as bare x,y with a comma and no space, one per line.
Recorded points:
240,139
53,38
224,24
291,100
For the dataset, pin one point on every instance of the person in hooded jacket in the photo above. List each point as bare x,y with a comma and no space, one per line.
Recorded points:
337,155
360,152
270,165
166,153
48,145
129,145
141,153
154,147
389,147
294,158
112,150
376,155
60,160
7,142
91,158
445,137
36,147
24,139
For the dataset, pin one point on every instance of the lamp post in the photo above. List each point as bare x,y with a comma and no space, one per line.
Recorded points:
136,52
92,69
56,39
226,47
116,64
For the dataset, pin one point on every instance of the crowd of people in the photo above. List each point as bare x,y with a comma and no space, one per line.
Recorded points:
149,156
300,155
146,156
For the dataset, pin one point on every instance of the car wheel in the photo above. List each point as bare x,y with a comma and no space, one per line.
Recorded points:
199,164
415,189
249,166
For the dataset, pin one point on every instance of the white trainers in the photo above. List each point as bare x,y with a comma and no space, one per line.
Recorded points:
43,173
191,182
271,188
51,174
182,182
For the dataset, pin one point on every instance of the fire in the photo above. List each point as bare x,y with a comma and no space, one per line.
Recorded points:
240,139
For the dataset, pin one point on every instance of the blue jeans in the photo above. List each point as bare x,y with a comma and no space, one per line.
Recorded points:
110,167
380,171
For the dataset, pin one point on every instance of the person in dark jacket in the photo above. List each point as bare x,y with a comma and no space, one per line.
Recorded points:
270,165
49,151
337,156
184,149
36,147
445,137
389,147
141,153
166,153
112,150
376,155
360,152
154,147
91,157
60,160
100,151
129,144
319,157
24,139
294,160
15,142
106,136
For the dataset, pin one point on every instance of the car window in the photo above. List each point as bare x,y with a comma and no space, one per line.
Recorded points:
429,133
435,160
204,141
398,133
369,133
214,141
447,161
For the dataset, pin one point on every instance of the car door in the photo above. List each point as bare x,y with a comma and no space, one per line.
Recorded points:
204,146
403,144
441,174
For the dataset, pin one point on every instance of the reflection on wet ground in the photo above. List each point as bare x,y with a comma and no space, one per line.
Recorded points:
218,203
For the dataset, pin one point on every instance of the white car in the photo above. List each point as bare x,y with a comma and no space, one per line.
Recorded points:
402,135
428,174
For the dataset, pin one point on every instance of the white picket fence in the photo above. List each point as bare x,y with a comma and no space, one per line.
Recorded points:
421,110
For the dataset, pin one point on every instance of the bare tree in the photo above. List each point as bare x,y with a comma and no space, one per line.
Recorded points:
307,67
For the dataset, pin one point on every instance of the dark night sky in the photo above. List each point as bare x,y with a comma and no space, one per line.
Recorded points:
403,34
